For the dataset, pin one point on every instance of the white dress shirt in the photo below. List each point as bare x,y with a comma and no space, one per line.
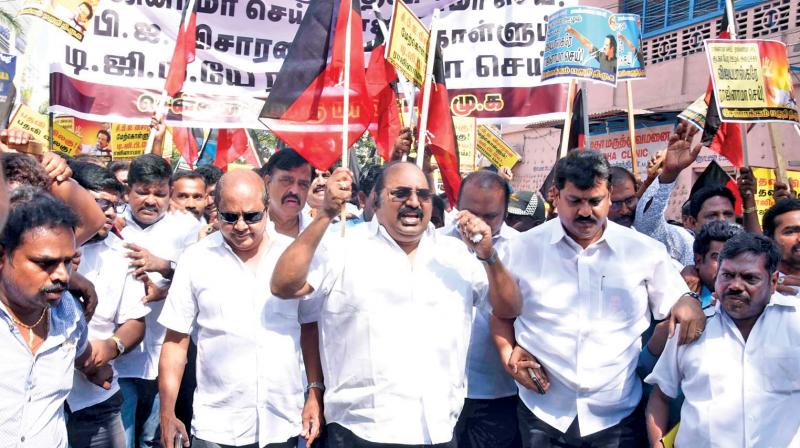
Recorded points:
583,315
166,239
119,299
33,387
249,381
738,393
394,334
486,377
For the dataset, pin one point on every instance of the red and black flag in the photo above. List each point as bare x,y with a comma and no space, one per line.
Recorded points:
185,48
185,141
440,137
577,131
723,138
382,88
305,105
715,176
231,145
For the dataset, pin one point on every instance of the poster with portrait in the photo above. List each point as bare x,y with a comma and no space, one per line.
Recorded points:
580,44
627,28
70,16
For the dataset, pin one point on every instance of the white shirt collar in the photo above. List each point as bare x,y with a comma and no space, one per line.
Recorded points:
611,230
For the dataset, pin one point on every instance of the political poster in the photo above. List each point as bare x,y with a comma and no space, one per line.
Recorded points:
466,136
580,44
36,124
751,80
498,152
630,60
69,16
765,187
8,68
128,140
407,48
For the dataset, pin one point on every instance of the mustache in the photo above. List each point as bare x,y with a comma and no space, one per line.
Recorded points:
151,208
55,287
586,219
319,188
406,209
290,196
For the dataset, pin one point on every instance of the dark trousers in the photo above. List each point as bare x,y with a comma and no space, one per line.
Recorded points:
98,426
337,436
199,443
629,433
488,424
185,400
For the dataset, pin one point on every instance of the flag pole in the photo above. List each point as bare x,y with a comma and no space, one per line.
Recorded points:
587,141
632,130
161,109
567,120
780,163
426,93
346,113
731,15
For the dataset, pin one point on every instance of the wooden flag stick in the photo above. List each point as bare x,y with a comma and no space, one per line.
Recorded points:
777,155
426,95
632,130
346,114
567,119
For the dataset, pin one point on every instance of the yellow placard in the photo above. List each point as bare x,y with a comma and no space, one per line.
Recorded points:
495,149
466,135
407,49
28,120
765,187
128,140
65,122
66,141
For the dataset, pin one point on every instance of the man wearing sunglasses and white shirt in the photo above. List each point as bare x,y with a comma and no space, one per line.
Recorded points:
249,386
396,311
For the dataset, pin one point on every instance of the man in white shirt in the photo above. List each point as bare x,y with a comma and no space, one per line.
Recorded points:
155,239
740,379
43,329
396,310
249,382
188,194
489,417
118,322
287,177
589,287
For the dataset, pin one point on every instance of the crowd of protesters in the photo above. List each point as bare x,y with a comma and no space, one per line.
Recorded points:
145,306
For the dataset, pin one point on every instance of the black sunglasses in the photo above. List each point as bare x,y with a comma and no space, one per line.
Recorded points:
403,193
105,204
249,217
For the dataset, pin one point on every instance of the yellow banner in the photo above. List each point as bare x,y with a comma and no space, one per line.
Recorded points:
495,149
28,120
65,122
407,49
765,187
66,141
466,135
128,140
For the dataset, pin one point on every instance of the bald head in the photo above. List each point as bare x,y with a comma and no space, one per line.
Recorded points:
399,172
240,184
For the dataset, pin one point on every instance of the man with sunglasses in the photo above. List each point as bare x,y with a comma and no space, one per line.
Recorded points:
396,305
249,385
118,322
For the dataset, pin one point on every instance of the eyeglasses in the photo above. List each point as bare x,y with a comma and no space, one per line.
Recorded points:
249,217
105,204
629,202
401,194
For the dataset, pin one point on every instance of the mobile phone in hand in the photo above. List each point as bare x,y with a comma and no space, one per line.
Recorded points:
177,441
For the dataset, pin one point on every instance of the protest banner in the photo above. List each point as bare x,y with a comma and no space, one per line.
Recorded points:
70,16
407,47
616,146
695,113
751,80
116,73
498,152
765,187
580,45
36,124
128,140
65,141
630,59
8,68
466,136
65,122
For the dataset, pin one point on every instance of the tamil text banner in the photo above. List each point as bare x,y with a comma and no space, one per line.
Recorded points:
498,152
765,187
466,136
407,49
581,45
751,80
627,28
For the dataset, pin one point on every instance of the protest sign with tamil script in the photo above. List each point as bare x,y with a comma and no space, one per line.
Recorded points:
407,49
627,28
72,17
581,45
128,140
466,136
498,152
36,124
765,187
751,80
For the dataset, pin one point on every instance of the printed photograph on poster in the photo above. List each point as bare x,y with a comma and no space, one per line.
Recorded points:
581,44
751,80
71,16
630,59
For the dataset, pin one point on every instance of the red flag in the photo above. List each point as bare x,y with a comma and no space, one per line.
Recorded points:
305,105
183,55
231,144
441,136
381,81
186,144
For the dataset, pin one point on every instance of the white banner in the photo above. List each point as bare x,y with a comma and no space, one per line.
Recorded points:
117,72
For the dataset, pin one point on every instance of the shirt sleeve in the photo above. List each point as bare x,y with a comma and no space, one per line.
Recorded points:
326,265
131,306
652,221
180,307
309,308
666,374
665,286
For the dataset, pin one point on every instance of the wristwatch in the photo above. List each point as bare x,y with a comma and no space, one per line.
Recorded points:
489,261
316,384
120,346
693,295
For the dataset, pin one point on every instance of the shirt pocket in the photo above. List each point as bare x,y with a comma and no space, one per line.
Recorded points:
780,367
620,299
